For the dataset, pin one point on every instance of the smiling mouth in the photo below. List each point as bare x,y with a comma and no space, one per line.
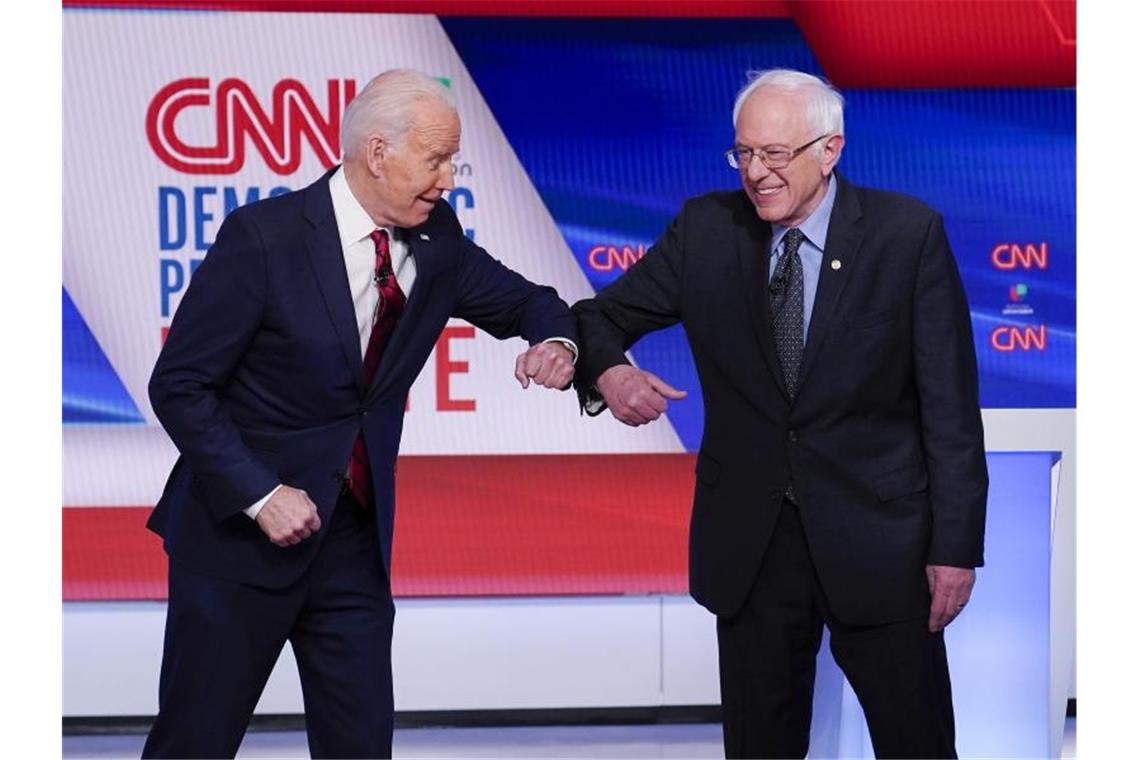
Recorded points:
762,191
432,201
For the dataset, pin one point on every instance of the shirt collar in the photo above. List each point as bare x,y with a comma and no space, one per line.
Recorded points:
352,221
816,225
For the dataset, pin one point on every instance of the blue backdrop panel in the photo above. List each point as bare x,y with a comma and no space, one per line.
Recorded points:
92,392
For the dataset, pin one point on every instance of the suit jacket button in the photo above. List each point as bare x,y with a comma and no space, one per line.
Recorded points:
792,436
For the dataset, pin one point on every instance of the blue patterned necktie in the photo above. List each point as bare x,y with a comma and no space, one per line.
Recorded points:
786,304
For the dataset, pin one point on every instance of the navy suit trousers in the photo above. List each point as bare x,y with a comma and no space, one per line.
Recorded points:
223,639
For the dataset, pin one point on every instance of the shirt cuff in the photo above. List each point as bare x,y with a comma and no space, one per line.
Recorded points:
593,403
571,346
255,508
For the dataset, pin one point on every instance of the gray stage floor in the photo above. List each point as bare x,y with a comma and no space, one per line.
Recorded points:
656,741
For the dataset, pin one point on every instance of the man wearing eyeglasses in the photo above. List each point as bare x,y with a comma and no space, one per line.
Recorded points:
842,478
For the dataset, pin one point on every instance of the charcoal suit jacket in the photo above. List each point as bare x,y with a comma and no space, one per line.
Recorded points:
883,441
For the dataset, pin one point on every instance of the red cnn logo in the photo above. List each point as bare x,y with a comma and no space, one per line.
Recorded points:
605,258
1012,256
1009,338
239,117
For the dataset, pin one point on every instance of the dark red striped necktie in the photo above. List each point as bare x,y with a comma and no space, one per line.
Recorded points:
388,310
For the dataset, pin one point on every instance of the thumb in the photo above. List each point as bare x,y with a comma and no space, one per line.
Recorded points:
662,387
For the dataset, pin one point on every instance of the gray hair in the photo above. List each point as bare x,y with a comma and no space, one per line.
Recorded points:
823,108
384,107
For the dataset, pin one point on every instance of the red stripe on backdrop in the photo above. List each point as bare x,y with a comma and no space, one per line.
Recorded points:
566,8
108,554
465,526
942,43
859,43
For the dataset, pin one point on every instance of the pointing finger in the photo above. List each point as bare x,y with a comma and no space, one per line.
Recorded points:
666,390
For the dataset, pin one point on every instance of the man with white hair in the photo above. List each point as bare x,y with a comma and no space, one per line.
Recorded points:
842,477
283,384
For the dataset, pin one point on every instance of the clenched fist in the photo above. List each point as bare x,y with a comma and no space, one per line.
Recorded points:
549,364
289,517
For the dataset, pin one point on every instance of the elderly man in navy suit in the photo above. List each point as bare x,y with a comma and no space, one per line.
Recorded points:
283,384
842,475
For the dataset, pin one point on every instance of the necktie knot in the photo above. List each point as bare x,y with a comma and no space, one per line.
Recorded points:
792,240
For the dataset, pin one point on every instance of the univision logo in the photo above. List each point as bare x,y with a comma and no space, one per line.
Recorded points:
1017,305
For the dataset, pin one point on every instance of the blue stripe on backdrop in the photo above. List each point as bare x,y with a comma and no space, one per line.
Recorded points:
618,121
1001,167
92,392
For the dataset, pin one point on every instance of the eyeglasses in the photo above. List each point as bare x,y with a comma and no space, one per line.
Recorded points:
773,158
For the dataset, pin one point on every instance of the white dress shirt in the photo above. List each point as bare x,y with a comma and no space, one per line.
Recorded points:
356,227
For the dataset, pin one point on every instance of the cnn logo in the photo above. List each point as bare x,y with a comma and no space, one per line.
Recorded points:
1009,338
1009,256
237,118
606,258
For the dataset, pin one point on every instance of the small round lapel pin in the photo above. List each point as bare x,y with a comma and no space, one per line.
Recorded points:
836,263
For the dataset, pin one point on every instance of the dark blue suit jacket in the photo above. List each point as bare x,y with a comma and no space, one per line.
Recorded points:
260,380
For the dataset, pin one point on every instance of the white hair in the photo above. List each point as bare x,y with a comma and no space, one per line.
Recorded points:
384,107
823,105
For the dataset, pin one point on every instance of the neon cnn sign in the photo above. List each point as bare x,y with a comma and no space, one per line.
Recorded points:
1012,338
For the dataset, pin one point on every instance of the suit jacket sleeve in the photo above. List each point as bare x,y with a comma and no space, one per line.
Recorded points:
219,314
644,299
946,373
505,304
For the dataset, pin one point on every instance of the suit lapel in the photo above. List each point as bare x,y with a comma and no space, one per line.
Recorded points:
844,237
327,259
754,238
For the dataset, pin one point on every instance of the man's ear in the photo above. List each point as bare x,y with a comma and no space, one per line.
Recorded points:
376,151
832,148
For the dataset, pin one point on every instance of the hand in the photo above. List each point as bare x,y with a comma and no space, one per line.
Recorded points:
635,396
550,364
289,517
949,593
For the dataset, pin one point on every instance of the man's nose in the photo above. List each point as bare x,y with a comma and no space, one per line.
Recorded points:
445,180
757,170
